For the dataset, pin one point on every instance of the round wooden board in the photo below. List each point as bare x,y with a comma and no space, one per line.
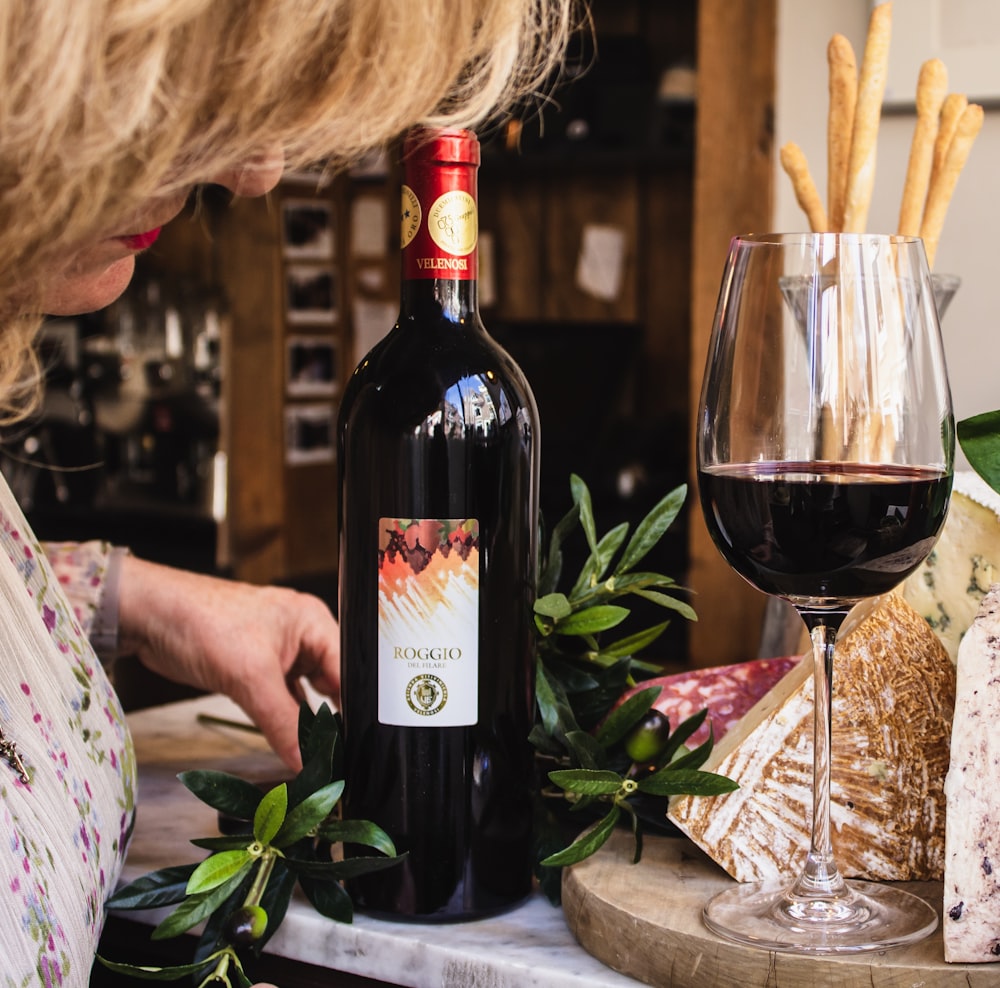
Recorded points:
645,921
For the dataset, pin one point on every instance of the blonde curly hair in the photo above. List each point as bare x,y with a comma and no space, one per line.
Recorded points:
109,103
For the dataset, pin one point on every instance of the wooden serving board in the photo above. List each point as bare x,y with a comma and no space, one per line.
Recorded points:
645,921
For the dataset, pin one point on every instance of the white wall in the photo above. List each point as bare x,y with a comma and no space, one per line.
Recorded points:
970,242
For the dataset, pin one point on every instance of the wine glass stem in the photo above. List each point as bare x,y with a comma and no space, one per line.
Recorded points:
820,878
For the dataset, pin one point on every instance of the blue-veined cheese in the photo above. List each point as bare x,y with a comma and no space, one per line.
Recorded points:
894,690
971,924
949,586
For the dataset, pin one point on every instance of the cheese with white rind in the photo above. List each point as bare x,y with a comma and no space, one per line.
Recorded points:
949,585
894,689
971,920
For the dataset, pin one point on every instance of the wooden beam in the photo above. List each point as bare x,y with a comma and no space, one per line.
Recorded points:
248,251
733,194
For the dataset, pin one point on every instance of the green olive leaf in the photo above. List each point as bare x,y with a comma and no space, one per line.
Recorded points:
600,559
217,869
305,817
318,735
230,842
650,530
165,887
145,973
586,749
639,580
544,743
687,782
223,792
634,643
553,605
328,898
358,832
195,908
548,579
587,782
553,704
979,437
270,814
305,725
671,603
681,733
587,843
336,871
690,759
592,620
581,498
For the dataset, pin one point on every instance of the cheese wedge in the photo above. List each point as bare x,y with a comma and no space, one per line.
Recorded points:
948,587
971,921
894,691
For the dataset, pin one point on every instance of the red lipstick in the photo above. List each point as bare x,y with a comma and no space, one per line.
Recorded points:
140,241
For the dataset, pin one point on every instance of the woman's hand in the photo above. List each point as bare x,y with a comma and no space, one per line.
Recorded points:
251,643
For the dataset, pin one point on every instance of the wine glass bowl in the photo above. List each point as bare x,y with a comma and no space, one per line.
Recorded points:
825,447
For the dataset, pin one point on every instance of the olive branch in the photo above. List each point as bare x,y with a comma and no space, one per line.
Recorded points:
242,889
626,762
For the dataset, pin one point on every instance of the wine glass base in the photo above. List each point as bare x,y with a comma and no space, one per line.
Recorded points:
869,916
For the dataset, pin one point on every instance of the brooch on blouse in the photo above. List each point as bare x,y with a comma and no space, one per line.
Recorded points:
10,754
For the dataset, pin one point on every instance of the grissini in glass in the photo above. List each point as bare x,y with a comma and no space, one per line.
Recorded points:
825,445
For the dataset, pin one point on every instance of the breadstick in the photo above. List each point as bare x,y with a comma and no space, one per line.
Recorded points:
940,193
953,107
864,137
932,87
795,165
843,71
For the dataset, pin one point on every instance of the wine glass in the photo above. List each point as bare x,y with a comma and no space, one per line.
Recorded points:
825,446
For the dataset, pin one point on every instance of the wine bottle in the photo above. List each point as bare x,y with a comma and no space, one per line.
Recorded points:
438,447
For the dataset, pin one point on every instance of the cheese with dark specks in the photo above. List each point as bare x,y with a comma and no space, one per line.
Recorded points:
972,832
948,586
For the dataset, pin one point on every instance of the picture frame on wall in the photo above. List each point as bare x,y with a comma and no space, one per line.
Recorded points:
312,366
310,433
311,294
369,236
307,230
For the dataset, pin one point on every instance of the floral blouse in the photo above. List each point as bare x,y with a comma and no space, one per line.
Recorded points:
65,829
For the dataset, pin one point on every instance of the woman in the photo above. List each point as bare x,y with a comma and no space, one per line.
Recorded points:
113,111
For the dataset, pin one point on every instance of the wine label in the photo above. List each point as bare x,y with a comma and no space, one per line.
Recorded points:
410,217
439,222
452,223
428,622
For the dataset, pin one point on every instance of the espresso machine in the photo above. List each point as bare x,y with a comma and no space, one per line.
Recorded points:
127,435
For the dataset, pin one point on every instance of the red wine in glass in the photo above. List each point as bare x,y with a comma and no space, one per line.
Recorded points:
838,532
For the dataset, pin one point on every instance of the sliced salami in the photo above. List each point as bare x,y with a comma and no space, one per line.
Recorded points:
727,691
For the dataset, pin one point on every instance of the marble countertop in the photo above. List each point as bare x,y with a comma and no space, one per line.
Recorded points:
528,946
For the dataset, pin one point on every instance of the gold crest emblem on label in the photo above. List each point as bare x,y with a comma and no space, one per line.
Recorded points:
409,217
453,224
426,695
